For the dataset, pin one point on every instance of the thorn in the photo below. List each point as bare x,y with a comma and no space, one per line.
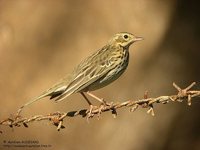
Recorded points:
183,92
63,116
19,110
190,86
146,94
59,125
151,111
189,101
176,86
114,113
134,108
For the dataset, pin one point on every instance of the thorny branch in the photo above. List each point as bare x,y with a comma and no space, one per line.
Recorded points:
57,117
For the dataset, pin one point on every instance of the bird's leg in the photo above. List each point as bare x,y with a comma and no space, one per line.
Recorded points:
90,104
88,101
97,98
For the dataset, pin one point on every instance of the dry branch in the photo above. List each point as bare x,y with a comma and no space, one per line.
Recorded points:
57,117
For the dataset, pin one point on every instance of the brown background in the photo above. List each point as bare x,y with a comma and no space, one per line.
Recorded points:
41,41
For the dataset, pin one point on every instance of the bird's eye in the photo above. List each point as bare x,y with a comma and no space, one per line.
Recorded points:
126,36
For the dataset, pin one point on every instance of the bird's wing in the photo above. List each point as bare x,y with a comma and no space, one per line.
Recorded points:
86,78
86,73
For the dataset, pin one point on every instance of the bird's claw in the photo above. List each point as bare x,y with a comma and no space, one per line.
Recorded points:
100,110
102,106
89,112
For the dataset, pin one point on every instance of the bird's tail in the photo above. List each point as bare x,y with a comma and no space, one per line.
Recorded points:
58,93
32,101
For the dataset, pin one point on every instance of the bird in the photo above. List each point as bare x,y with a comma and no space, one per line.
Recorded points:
96,71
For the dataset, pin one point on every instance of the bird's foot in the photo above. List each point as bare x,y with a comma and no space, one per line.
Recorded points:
97,109
89,112
102,107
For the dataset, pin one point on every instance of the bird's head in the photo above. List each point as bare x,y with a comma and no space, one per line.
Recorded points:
124,39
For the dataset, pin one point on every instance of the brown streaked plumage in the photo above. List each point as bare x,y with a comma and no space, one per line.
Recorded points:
96,71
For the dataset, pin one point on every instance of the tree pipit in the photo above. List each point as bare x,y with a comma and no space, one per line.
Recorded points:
96,71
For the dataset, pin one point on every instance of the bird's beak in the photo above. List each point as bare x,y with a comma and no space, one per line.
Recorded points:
138,39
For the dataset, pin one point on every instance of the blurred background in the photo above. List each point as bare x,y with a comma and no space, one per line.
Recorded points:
42,41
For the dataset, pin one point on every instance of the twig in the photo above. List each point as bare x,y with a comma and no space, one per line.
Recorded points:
57,117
